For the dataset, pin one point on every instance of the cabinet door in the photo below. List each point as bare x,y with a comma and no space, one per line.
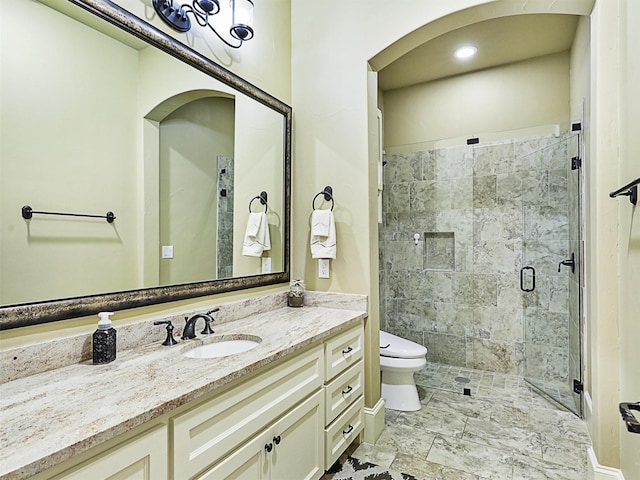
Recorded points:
290,449
249,462
142,458
298,446
212,430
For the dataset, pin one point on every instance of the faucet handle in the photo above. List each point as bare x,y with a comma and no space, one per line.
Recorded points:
207,325
208,319
169,340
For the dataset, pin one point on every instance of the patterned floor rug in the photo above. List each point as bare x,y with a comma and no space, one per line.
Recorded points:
353,469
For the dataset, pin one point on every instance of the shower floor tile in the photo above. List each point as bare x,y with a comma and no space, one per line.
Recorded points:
504,431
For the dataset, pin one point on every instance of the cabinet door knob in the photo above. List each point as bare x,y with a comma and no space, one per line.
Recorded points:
268,447
347,390
348,430
277,439
347,350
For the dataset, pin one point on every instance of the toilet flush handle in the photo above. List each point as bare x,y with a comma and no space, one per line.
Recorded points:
386,346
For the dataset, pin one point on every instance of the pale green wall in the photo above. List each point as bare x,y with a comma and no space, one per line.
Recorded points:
515,96
123,151
333,122
256,155
191,139
50,139
265,61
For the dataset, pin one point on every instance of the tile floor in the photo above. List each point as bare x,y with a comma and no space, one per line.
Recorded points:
504,431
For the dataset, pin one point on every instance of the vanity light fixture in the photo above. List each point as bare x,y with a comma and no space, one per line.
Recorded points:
465,52
241,13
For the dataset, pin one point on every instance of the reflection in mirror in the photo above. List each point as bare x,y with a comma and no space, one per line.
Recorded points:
174,152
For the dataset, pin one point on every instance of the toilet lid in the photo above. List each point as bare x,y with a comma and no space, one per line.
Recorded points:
399,347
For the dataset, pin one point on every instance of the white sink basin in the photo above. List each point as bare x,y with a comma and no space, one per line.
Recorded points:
223,347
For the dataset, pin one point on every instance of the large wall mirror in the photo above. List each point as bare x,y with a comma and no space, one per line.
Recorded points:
102,112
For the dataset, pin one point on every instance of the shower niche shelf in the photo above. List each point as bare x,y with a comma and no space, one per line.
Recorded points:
439,251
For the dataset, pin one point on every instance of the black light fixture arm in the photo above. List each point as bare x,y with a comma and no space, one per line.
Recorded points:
177,17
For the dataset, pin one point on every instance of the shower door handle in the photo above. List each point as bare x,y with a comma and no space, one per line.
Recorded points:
633,425
533,278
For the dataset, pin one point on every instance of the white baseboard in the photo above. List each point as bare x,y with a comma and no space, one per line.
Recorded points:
600,472
374,422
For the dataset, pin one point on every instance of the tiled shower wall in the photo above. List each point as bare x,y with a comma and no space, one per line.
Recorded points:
456,289
224,232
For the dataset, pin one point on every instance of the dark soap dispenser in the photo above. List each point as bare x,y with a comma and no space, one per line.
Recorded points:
104,340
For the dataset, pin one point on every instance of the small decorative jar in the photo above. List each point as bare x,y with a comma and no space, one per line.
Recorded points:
296,293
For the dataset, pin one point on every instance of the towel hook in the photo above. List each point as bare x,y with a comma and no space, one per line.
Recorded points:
328,195
263,200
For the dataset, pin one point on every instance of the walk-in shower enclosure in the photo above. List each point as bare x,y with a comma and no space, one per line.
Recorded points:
471,246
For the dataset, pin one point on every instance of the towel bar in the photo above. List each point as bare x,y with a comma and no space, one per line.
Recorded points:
630,190
27,213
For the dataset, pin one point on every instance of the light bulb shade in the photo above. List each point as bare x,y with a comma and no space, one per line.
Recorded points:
242,19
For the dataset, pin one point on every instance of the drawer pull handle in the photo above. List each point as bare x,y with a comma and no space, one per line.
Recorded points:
268,447
347,350
277,439
348,430
347,390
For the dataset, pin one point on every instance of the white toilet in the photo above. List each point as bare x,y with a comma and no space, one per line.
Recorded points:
399,359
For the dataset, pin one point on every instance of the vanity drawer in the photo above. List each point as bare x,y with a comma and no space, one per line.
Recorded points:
343,390
343,351
211,430
339,435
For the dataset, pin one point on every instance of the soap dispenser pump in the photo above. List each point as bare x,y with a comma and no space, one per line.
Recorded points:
104,340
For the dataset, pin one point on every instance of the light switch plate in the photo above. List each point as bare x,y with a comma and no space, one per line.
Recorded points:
167,251
323,268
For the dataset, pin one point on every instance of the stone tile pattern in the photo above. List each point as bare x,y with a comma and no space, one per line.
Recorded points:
503,431
501,206
224,230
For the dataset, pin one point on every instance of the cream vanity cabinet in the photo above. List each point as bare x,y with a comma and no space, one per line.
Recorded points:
343,389
142,457
258,426
289,422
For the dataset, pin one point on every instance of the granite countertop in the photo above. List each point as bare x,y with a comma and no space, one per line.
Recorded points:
50,417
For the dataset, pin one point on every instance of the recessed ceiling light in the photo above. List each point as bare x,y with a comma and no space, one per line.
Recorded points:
465,52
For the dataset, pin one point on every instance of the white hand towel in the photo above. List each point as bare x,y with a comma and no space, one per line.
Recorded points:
323,246
256,237
321,223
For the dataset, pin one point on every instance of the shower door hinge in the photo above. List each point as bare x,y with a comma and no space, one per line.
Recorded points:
578,387
576,163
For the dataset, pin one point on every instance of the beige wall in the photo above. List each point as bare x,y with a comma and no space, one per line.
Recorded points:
629,231
612,113
602,171
519,95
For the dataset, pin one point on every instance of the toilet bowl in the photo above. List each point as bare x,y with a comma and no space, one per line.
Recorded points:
399,359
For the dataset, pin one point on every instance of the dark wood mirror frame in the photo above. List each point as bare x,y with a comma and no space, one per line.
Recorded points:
14,316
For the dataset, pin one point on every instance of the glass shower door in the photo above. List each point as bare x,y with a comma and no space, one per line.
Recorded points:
551,273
